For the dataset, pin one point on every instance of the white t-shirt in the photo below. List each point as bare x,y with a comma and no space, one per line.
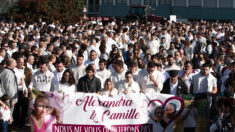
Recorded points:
42,81
19,76
66,88
5,115
130,88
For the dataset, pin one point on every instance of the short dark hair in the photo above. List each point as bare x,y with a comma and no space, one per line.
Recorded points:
206,65
42,61
80,55
90,68
103,61
151,64
128,72
119,63
5,97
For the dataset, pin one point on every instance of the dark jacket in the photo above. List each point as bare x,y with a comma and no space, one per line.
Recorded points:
181,87
89,86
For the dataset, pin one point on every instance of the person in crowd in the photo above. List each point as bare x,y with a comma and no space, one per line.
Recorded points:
79,69
157,117
93,59
89,83
128,85
5,113
8,83
58,73
150,80
67,83
21,107
102,71
42,79
109,88
51,61
119,73
174,85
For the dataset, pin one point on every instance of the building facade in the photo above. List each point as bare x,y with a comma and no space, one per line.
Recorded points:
191,9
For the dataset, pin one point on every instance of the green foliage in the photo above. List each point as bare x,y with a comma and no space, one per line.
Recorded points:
65,11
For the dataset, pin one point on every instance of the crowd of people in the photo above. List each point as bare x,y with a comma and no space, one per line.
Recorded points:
119,58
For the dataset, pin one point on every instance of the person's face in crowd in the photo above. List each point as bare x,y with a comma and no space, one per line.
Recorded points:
177,55
43,68
171,61
31,60
163,40
80,61
172,46
13,64
109,85
93,56
102,66
205,71
151,69
20,63
153,37
66,75
170,111
35,51
174,79
42,107
118,69
133,69
60,67
90,74
13,45
188,67
5,46
3,53
159,114
128,78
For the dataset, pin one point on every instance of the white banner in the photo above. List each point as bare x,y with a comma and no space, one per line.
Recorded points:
83,112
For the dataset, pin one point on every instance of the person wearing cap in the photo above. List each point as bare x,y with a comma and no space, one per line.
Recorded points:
174,85
150,79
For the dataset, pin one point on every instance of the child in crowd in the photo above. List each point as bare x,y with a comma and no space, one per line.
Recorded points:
5,113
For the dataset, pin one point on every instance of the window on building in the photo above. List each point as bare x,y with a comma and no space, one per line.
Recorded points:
150,2
226,3
121,2
165,2
180,3
210,3
107,1
135,2
194,2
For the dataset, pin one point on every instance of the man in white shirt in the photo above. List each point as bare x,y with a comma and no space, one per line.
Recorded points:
21,107
153,45
30,61
187,74
93,59
93,46
133,68
119,73
58,74
42,79
150,80
12,48
79,69
102,71
203,86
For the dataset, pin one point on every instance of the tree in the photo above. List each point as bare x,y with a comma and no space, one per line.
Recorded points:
65,11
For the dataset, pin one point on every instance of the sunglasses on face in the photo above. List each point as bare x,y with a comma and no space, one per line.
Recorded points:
43,107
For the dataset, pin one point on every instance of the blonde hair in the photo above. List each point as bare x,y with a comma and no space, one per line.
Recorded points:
106,84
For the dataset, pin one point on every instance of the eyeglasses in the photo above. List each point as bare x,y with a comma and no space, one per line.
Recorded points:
43,107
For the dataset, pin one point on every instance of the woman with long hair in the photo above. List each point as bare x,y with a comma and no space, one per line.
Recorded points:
67,83
109,88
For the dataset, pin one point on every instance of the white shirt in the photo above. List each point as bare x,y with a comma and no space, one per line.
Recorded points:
117,78
146,84
190,120
78,72
5,115
153,46
96,62
19,76
203,84
130,88
105,74
57,78
113,92
188,79
66,88
1,59
42,81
